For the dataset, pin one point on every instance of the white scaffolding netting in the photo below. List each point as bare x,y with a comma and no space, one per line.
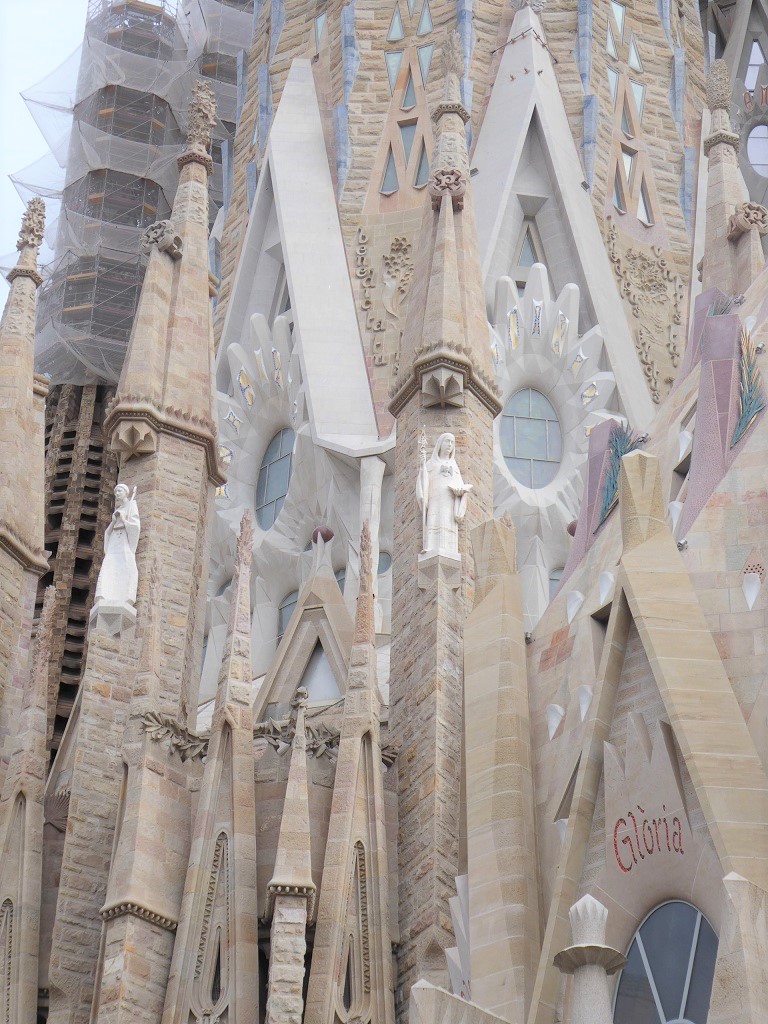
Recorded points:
113,115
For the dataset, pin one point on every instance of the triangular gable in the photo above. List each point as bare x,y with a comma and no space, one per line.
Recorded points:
524,102
320,616
287,228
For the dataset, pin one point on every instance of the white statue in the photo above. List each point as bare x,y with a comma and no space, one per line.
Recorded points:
442,496
119,576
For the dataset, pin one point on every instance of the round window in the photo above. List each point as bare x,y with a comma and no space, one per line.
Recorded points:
757,149
274,475
531,439
669,970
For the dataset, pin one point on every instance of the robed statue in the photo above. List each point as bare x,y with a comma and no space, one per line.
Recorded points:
119,576
442,495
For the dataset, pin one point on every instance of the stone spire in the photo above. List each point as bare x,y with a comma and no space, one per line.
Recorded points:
165,385
445,347
733,254
444,390
291,892
21,395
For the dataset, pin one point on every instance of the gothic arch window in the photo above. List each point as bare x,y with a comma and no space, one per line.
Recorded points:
274,476
667,978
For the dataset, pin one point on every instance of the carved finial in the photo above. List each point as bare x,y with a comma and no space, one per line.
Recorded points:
451,57
365,628
718,86
32,224
244,550
201,116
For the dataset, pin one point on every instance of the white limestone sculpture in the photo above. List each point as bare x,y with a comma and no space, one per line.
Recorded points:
119,575
442,496
590,962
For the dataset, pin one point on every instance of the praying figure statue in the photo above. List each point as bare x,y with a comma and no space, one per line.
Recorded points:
119,576
442,496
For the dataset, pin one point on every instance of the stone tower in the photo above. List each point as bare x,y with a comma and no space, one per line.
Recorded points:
444,385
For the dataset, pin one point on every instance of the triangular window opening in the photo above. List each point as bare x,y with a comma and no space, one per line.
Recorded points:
610,45
628,160
409,96
318,678
395,26
422,171
408,134
638,91
425,59
634,57
644,208
216,979
527,255
613,82
411,5
618,14
625,125
393,59
425,21
346,997
617,198
319,26
756,61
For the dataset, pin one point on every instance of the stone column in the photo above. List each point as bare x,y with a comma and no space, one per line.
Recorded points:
288,945
590,962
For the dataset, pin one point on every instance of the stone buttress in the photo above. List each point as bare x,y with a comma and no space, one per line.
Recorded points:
22,396
215,964
351,972
444,385
114,929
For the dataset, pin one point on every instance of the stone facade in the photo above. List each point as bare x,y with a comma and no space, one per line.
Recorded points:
476,735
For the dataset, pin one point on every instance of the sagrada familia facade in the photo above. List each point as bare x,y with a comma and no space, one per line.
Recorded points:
383,472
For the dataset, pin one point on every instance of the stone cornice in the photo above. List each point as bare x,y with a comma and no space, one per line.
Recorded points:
727,138
29,272
28,557
195,156
450,108
307,892
484,390
137,910
570,959
196,429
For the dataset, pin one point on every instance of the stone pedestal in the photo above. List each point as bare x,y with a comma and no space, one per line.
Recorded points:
112,619
439,567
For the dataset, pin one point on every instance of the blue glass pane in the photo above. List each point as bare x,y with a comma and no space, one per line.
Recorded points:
261,488
409,96
422,172
700,988
541,406
554,440
634,999
287,438
407,134
507,436
273,450
266,516
530,439
667,937
519,404
543,473
520,470
385,562
277,482
278,507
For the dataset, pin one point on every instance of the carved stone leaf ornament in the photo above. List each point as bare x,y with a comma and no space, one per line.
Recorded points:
32,224
745,217
201,116
162,234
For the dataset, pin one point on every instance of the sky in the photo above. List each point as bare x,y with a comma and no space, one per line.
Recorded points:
35,37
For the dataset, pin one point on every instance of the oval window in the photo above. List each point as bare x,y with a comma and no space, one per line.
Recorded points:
531,439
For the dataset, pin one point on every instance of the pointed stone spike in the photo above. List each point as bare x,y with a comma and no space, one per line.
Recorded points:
641,501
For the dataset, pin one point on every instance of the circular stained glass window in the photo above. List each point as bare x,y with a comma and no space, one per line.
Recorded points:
667,978
274,475
757,149
531,439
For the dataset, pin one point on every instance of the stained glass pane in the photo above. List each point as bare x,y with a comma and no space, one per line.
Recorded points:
521,470
628,160
618,13
425,59
395,27
407,134
425,21
643,208
274,476
757,149
530,438
756,60
638,91
610,45
409,96
625,121
527,253
393,59
618,202
389,182
519,404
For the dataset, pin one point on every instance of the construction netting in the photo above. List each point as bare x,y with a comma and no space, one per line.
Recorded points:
113,116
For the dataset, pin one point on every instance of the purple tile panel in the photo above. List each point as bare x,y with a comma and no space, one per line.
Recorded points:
586,523
717,410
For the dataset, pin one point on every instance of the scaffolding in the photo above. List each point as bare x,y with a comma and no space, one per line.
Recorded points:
113,116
